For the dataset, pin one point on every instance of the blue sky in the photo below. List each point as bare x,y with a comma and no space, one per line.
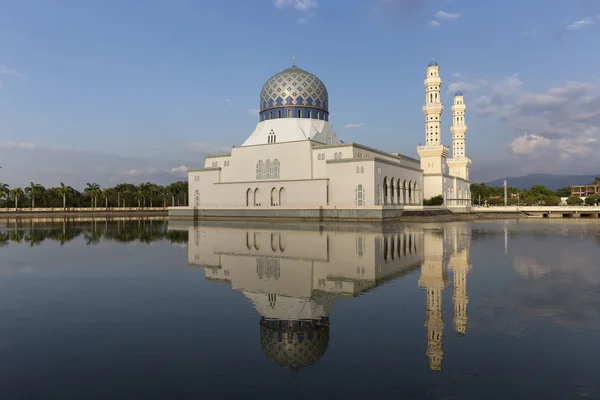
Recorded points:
112,91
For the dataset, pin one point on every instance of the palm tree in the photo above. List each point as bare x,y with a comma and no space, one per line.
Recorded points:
106,192
33,190
4,191
15,194
92,190
139,195
64,191
154,191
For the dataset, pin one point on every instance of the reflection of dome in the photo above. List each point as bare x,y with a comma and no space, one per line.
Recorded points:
294,93
294,344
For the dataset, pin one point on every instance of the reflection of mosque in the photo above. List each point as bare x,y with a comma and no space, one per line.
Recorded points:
293,277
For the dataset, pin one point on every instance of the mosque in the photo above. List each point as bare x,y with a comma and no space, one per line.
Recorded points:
295,160
294,277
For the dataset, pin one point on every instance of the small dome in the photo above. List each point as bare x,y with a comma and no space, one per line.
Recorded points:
296,90
433,63
459,93
294,344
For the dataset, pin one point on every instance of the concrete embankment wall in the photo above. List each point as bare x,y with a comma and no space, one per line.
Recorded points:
326,214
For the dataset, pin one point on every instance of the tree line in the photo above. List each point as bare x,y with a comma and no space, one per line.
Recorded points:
482,194
122,195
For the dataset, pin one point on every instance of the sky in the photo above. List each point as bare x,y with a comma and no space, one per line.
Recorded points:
113,91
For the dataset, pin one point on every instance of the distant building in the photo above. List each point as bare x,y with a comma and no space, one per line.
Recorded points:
585,190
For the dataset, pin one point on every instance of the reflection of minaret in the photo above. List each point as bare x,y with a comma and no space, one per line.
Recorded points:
461,265
434,279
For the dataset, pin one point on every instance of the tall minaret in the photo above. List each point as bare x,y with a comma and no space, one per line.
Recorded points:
459,126
433,107
433,153
459,163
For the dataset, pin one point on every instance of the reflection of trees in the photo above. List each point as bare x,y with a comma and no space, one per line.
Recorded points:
141,230
4,239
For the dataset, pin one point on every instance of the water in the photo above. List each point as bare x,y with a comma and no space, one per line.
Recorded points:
133,310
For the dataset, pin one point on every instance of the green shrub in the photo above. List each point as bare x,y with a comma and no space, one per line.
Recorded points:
434,201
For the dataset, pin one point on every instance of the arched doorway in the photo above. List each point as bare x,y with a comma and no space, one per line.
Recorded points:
282,199
392,191
274,196
256,196
385,190
409,192
249,200
404,192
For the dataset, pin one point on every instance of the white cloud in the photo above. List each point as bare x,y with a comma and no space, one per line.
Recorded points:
557,129
303,20
4,70
301,5
353,126
528,144
76,167
445,15
254,111
580,24
457,75
229,102
461,86
18,145
433,24
206,148
181,170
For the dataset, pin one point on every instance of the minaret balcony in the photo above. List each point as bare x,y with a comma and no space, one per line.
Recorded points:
433,108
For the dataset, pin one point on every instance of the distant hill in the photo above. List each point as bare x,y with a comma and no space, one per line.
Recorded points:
552,182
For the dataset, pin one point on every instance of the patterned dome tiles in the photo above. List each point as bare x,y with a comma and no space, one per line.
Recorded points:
294,87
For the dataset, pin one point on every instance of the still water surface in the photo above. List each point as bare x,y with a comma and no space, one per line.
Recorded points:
142,309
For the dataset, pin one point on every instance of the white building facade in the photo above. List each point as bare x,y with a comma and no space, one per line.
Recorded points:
294,158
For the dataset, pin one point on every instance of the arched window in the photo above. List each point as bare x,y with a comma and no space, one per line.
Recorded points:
289,113
273,242
248,245
360,195
392,191
398,192
268,174
259,170
404,192
249,197
319,156
357,169
272,136
275,169
274,197
197,198
409,192
362,170
309,113
299,113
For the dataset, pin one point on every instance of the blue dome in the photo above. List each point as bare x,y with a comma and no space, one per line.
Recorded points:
459,93
433,63
294,93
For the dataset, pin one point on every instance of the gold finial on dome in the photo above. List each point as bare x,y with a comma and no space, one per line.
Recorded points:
294,60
